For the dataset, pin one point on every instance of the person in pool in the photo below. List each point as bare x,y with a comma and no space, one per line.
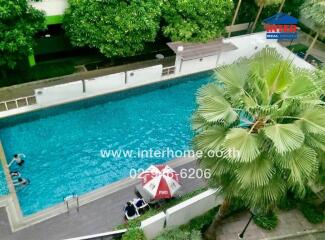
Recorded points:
21,182
15,174
17,159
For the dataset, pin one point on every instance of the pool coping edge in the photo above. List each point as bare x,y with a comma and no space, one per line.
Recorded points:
18,221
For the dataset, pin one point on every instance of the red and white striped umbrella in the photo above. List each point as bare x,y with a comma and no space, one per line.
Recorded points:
160,181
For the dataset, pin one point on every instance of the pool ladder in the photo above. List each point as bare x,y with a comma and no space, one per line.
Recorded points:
69,200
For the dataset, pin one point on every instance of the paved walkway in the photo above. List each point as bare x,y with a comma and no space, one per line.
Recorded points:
290,223
99,216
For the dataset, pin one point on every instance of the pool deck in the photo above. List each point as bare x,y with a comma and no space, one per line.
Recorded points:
98,216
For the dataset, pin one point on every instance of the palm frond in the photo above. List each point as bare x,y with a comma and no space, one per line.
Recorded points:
211,139
255,174
312,120
278,77
262,198
244,145
213,107
303,85
285,137
198,121
302,166
316,141
233,78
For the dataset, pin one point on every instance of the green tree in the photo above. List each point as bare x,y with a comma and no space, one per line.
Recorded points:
19,22
313,14
261,4
194,20
267,118
115,27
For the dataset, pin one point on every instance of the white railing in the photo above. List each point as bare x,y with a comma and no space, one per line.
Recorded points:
101,236
17,103
168,71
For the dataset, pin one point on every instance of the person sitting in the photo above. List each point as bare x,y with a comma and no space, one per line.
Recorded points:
17,159
130,211
140,204
20,182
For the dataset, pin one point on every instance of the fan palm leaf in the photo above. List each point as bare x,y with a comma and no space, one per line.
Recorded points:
285,137
213,107
244,144
255,174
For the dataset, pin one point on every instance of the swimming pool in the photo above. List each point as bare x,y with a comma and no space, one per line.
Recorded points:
63,144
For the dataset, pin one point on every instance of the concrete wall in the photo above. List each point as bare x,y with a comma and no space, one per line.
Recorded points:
51,7
248,45
198,65
181,213
154,225
105,83
144,75
59,93
194,207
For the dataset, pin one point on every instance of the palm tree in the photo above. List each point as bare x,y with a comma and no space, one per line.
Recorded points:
281,6
266,117
234,18
261,4
312,13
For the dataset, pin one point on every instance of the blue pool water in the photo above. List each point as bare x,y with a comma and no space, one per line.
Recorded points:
63,144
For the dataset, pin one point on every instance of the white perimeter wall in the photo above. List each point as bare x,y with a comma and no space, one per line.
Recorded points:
198,65
105,83
247,45
51,7
181,213
194,207
154,225
59,93
250,44
144,75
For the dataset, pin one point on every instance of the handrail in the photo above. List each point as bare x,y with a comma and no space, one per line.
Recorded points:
100,236
16,101
168,70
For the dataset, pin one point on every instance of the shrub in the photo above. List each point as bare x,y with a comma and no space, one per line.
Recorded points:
50,70
287,203
177,234
200,223
312,213
134,233
268,221
296,48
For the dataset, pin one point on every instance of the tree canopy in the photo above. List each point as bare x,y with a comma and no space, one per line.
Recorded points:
115,27
269,115
19,22
194,20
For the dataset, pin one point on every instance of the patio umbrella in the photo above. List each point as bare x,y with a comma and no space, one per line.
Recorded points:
160,181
